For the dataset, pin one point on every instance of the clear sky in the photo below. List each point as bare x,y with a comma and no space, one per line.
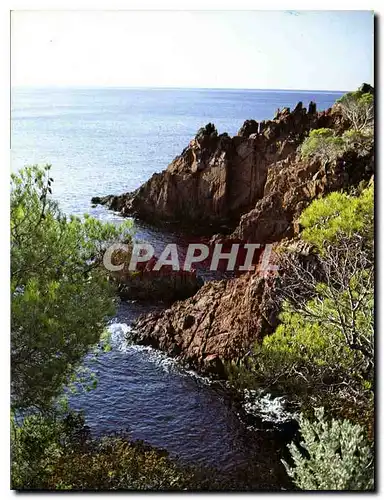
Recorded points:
322,50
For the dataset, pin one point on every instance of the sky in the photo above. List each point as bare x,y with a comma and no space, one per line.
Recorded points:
314,50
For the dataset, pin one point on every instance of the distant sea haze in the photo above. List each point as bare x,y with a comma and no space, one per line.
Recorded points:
110,140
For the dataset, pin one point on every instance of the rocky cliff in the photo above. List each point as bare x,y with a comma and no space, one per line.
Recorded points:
218,178
223,319
252,187
291,184
216,324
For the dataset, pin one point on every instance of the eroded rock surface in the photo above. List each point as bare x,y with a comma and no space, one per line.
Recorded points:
218,178
254,186
216,324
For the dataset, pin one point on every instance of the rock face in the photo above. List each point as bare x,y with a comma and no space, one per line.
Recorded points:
217,178
160,287
223,319
148,285
290,187
216,324
255,186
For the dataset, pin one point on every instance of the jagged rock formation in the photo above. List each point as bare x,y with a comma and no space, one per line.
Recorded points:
255,185
216,324
224,318
290,187
217,178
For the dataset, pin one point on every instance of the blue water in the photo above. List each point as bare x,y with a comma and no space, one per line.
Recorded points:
104,141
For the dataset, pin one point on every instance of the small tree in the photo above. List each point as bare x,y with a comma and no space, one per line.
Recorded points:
322,144
360,141
339,216
323,349
358,108
60,295
335,288
336,456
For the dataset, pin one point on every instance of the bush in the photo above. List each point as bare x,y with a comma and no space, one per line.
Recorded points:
360,141
332,456
333,291
318,348
60,294
322,144
323,350
358,108
338,215
58,453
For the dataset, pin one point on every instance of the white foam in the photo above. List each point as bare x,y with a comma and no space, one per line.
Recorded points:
120,340
262,404
119,336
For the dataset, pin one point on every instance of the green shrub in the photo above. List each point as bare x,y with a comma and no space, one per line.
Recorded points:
360,141
309,341
60,295
333,456
56,453
322,144
322,352
338,215
358,108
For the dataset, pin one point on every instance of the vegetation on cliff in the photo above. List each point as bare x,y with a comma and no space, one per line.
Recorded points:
322,353
304,174
357,108
61,299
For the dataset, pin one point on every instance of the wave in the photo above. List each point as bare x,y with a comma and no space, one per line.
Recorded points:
121,340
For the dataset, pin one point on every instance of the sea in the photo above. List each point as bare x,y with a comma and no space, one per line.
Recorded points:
103,141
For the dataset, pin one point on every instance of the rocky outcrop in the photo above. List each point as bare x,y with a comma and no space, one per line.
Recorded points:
159,287
218,178
290,187
225,318
253,187
146,284
218,323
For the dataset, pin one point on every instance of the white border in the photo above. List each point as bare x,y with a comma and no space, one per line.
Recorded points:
4,182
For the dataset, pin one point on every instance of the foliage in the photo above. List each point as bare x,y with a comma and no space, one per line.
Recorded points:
358,108
321,344
332,456
323,144
360,141
60,295
334,290
306,341
322,352
58,453
337,216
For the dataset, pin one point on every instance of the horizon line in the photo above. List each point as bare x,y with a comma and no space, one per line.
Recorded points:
123,87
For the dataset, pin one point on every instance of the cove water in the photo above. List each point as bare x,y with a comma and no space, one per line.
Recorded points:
109,141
